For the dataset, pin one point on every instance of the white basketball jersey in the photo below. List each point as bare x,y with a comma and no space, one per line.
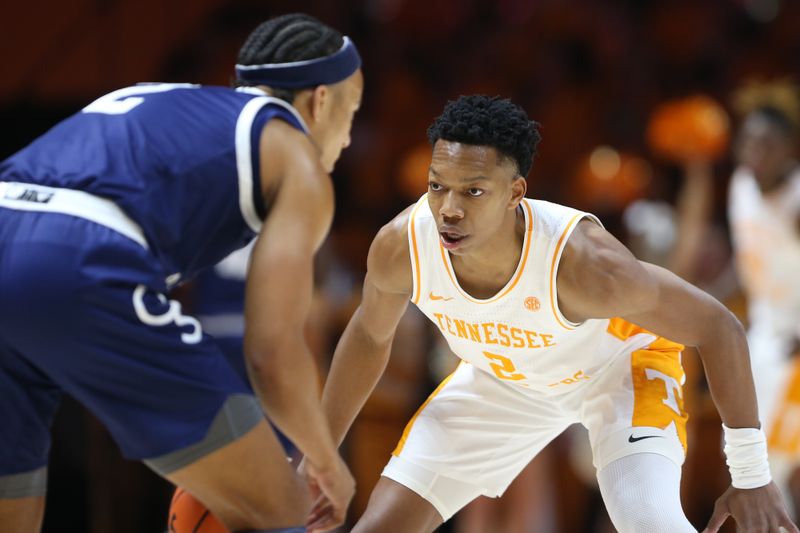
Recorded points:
767,247
519,335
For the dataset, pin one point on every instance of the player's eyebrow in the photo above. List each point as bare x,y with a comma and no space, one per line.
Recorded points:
471,179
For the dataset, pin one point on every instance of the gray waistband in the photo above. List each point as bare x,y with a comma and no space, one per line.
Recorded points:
24,485
238,415
29,197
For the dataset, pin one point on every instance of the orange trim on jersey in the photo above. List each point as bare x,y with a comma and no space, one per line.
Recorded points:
415,250
624,330
517,275
407,430
556,255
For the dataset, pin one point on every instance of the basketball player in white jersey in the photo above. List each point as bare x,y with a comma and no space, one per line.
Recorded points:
556,323
764,212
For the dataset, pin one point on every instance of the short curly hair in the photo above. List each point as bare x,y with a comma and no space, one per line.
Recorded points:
489,121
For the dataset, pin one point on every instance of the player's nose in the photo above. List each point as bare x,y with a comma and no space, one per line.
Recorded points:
451,207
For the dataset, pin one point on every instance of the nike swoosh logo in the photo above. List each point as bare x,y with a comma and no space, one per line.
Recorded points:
435,297
636,439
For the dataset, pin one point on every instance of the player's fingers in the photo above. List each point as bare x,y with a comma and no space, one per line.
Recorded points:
717,518
320,509
323,523
327,523
320,500
788,525
330,516
317,525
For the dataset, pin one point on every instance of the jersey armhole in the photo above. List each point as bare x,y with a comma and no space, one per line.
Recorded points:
556,261
251,122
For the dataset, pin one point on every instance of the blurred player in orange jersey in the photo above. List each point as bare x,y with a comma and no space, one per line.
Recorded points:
529,294
764,212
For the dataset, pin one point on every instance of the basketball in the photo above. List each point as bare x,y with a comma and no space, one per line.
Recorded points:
187,515
689,128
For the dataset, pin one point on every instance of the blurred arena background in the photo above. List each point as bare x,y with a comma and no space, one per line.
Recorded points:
594,73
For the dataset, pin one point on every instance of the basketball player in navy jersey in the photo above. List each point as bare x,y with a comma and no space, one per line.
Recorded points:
143,188
556,323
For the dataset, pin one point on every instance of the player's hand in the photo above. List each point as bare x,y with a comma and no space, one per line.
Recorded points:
313,488
755,510
333,487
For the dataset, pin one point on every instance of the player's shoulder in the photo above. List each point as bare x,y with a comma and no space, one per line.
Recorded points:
389,261
211,98
557,222
550,211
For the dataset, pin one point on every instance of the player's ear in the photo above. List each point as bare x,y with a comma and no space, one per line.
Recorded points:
320,100
518,189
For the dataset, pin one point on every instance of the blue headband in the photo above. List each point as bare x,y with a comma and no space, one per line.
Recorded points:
301,74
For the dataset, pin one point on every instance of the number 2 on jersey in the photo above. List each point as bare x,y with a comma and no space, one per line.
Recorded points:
503,367
121,101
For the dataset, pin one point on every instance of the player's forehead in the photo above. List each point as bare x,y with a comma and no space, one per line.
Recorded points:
455,159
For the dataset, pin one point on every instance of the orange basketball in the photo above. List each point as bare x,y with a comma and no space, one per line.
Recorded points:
187,515
689,128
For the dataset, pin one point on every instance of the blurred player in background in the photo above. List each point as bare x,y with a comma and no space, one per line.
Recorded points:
528,293
144,188
764,214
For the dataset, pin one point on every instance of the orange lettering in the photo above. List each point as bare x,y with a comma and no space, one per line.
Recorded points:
461,328
505,340
488,334
449,329
516,334
546,339
474,332
531,336
439,318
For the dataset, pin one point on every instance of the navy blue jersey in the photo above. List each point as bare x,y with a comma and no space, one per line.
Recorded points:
181,160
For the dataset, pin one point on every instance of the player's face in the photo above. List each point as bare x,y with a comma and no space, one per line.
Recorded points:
764,149
471,191
334,134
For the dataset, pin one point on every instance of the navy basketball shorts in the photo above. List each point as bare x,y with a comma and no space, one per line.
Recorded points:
83,312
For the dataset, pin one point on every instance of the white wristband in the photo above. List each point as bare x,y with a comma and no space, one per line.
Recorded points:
746,452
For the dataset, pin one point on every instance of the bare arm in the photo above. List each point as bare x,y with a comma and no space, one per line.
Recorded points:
600,278
279,291
693,211
363,351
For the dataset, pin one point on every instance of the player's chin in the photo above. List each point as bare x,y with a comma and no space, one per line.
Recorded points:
330,162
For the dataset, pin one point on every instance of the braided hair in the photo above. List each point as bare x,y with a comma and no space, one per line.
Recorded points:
288,38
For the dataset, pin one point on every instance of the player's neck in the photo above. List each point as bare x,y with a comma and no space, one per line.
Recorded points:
484,271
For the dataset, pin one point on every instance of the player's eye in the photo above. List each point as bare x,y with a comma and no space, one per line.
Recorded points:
432,185
474,192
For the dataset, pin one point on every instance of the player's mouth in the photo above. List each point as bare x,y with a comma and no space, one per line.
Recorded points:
452,239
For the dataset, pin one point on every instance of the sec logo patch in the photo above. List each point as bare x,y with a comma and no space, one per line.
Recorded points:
532,303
